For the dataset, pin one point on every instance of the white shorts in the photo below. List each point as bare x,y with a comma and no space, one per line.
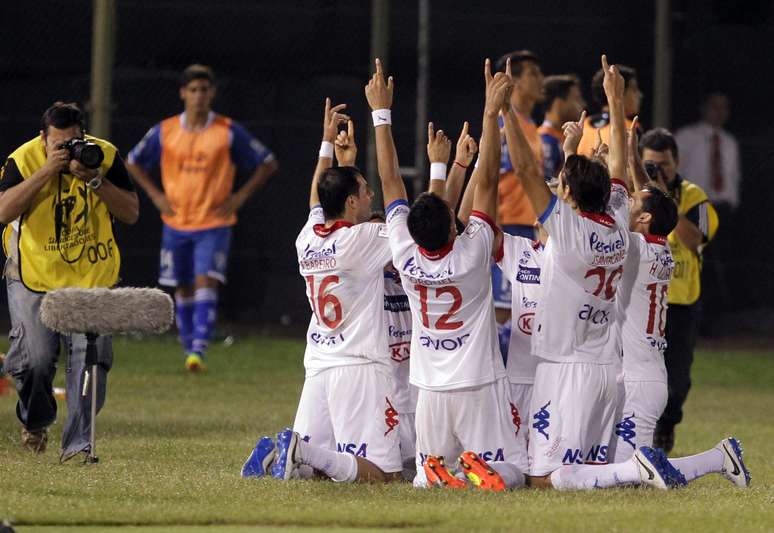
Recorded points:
573,409
643,406
480,419
348,409
408,444
521,397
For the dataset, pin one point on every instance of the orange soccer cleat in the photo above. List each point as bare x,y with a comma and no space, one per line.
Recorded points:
481,474
439,476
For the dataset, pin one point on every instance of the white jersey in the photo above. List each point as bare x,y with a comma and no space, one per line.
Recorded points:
521,263
454,344
343,268
643,302
397,314
583,265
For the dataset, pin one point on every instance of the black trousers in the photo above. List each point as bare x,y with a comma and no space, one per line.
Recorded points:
681,330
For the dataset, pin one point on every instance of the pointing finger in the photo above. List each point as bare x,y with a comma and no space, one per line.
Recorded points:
605,65
582,119
508,67
464,132
430,133
487,70
350,129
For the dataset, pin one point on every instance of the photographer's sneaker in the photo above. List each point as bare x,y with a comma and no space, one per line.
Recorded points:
194,363
261,459
34,441
285,462
480,474
734,468
439,476
656,470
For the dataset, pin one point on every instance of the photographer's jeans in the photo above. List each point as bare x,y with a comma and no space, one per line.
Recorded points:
32,361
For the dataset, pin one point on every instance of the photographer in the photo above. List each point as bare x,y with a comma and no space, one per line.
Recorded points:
59,194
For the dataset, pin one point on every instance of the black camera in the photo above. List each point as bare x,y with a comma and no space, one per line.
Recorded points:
653,171
89,154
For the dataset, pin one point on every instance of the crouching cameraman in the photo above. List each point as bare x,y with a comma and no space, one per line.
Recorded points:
59,194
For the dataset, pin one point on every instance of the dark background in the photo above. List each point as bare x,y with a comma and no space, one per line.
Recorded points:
276,61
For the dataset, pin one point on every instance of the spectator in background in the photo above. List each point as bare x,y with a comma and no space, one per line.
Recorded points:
710,156
563,103
598,126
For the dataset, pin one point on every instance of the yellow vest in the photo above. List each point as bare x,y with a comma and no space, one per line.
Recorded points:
685,287
65,238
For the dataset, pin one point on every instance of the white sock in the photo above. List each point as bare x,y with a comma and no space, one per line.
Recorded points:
700,464
586,477
512,476
335,465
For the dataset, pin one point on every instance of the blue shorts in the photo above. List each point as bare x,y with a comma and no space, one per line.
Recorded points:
501,287
187,254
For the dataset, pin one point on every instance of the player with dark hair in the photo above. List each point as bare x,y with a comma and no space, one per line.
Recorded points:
563,102
198,154
696,226
346,425
596,128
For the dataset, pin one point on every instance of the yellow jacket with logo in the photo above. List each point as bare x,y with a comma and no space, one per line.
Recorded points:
65,238
685,287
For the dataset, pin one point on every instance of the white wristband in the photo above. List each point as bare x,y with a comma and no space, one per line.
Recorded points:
438,171
381,117
326,149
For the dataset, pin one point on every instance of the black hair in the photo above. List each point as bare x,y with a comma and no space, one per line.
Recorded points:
659,140
334,186
429,221
518,57
62,115
598,91
662,208
197,72
558,87
589,183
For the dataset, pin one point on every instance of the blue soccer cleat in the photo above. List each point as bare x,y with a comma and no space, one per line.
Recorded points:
734,468
261,458
285,463
656,470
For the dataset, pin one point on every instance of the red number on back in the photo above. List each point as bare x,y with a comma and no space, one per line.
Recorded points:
323,300
609,283
443,322
653,288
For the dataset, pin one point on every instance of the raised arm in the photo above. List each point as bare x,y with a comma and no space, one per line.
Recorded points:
455,181
613,84
345,147
379,96
438,151
524,164
331,120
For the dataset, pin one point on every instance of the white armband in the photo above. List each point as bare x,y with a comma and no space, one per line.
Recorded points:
326,149
381,117
438,171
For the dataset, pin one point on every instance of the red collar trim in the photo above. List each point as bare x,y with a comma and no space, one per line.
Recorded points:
621,183
655,239
440,253
537,245
600,218
321,231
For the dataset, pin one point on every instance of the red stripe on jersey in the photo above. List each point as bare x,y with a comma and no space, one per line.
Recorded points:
322,231
440,253
486,218
600,218
655,239
621,183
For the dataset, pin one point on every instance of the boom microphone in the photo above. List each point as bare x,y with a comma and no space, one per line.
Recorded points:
107,311
95,312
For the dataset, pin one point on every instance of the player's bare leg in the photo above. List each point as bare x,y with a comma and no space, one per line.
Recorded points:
293,452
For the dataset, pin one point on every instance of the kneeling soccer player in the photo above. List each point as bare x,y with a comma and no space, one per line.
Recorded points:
346,425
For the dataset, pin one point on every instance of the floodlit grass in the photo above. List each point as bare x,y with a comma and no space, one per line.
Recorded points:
171,446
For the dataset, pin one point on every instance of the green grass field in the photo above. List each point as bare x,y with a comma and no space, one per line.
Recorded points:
171,446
